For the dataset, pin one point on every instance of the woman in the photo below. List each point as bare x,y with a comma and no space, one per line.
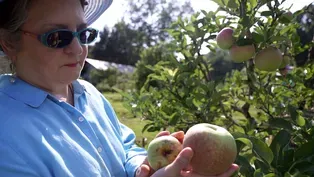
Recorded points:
52,123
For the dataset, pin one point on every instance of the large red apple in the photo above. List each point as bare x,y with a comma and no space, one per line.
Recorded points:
268,59
225,38
214,148
162,151
239,54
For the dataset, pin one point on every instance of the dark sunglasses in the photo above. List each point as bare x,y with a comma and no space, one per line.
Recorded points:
61,38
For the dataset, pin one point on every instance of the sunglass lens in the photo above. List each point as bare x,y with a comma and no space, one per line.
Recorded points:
59,39
88,36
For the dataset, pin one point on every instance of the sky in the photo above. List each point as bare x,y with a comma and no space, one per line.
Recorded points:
118,7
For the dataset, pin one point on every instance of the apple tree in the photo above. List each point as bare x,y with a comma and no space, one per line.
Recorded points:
266,104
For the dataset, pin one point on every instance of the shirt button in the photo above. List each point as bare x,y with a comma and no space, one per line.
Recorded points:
12,80
99,149
81,119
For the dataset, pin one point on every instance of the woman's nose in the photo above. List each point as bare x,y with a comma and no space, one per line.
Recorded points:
74,48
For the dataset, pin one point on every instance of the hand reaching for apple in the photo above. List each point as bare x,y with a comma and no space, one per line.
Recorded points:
180,167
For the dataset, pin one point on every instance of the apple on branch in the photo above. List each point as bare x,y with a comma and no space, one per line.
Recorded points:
268,59
239,54
225,38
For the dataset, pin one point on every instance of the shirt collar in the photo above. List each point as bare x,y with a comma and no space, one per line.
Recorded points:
27,93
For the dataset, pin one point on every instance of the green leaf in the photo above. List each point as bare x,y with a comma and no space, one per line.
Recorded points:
293,112
204,12
257,37
243,42
266,13
233,4
246,167
174,118
190,28
153,129
146,126
245,141
305,150
252,3
261,150
246,21
280,123
287,174
281,139
258,173
262,166
262,2
302,167
270,175
300,120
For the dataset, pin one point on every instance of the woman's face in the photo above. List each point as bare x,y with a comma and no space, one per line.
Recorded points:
43,65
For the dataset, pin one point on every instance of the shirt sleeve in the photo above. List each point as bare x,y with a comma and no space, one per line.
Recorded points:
11,164
135,155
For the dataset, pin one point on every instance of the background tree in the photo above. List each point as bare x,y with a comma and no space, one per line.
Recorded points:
145,27
152,17
122,45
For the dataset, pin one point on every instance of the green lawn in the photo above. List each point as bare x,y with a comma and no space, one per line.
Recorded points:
128,119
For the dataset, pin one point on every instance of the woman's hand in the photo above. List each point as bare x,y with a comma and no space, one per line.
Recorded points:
180,166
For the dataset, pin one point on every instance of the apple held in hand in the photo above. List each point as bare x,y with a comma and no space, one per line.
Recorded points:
214,148
162,151
225,38
239,54
268,59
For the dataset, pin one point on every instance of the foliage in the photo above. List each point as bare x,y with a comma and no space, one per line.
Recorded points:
221,64
122,45
107,80
148,21
152,17
149,58
127,118
269,113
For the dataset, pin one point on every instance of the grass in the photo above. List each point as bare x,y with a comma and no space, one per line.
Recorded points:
128,119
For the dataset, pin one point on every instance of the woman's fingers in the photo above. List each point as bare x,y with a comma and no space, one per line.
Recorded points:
162,133
179,135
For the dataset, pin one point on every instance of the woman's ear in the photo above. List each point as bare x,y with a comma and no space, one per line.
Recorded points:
8,48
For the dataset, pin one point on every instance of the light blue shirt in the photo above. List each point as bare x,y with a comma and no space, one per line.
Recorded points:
41,136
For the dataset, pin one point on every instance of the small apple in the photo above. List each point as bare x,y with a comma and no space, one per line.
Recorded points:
239,54
268,59
225,38
162,151
214,148
285,61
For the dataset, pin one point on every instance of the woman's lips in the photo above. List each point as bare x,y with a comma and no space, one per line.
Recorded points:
71,65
